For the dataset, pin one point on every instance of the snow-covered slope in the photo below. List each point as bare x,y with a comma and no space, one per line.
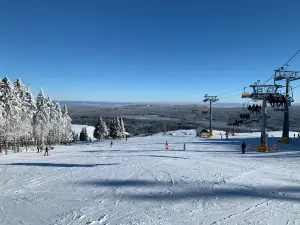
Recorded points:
140,182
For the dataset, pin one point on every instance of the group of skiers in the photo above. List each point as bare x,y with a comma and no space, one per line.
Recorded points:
245,116
278,100
167,145
226,135
238,122
298,136
255,108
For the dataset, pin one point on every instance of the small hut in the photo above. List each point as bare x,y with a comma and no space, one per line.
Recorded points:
202,132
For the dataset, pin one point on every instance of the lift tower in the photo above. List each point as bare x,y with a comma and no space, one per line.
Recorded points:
261,92
288,76
211,99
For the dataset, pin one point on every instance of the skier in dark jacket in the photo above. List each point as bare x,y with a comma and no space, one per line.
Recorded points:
46,151
243,148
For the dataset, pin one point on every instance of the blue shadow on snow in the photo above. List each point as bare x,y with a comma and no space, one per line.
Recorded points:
58,164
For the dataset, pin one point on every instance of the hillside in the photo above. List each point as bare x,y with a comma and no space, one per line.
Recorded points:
140,119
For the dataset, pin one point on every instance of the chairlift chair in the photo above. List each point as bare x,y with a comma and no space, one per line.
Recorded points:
246,95
204,111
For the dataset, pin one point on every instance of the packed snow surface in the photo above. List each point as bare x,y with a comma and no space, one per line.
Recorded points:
140,182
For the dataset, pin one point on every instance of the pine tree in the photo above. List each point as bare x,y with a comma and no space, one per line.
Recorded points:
27,109
100,131
86,134
97,130
30,106
11,111
52,120
82,135
41,119
75,136
118,127
123,131
66,125
113,133
104,130
58,124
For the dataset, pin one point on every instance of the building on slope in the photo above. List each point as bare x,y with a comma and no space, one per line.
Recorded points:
202,132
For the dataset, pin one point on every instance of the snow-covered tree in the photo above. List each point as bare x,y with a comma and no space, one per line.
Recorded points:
100,131
119,128
83,135
58,124
75,136
115,128
41,120
97,133
2,122
66,125
24,121
11,114
24,133
123,131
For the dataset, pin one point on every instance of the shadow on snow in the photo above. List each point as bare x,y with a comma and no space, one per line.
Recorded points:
123,183
162,150
188,191
58,164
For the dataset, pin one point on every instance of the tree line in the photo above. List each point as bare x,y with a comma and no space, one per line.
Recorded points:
116,130
26,121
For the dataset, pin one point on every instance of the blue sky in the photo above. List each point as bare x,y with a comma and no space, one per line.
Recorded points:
146,50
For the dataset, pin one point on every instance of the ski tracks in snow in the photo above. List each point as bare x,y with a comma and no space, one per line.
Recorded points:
233,216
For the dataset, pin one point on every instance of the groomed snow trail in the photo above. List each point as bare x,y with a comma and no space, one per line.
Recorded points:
139,182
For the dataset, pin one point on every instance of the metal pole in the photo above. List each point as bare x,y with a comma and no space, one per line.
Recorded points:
286,119
210,119
263,139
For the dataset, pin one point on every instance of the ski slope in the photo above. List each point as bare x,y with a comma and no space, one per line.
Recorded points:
139,182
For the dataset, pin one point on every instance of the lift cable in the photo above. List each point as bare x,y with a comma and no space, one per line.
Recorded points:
282,68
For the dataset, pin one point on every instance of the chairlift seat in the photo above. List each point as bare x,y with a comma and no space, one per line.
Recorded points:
246,95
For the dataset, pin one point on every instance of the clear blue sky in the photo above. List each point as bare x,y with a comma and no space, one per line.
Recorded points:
146,50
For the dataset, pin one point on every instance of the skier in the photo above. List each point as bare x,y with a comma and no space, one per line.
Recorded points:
167,145
126,137
226,135
46,151
243,148
184,147
294,135
221,135
111,144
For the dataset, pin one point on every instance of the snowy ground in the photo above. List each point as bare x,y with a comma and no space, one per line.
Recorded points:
139,182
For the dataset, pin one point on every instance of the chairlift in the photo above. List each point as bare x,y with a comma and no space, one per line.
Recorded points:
180,122
246,95
205,111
